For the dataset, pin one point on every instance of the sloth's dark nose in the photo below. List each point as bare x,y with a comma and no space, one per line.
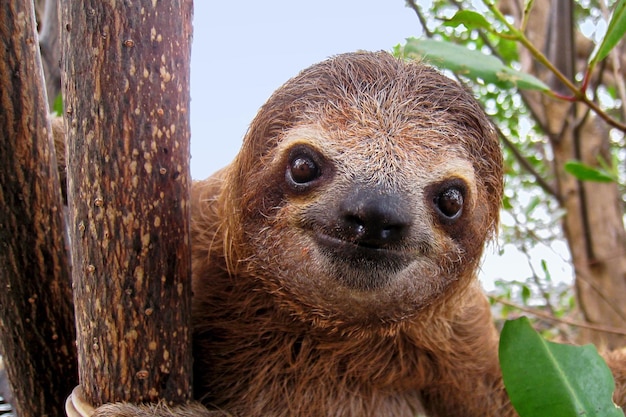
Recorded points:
373,219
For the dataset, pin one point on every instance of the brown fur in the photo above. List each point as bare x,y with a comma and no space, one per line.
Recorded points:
616,361
280,330
283,325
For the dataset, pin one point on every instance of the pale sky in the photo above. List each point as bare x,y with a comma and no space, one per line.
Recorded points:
243,51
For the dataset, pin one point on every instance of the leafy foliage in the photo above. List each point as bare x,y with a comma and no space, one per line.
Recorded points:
587,173
615,32
474,65
546,379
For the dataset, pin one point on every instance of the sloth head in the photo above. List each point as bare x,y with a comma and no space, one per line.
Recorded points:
365,191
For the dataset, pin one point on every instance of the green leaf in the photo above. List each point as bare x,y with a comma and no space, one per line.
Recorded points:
532,205
471,64
57,106
526,294
585,172
546,271
545,379
506,203
614,32
470,19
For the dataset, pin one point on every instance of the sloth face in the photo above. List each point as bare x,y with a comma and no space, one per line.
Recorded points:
375,231
370,226
368,192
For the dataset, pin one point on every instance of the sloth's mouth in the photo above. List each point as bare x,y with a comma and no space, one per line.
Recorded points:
347,246
360,266
363,254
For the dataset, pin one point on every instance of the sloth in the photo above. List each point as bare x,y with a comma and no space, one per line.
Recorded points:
335,260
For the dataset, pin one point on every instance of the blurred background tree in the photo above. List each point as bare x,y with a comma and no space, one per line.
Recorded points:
558,106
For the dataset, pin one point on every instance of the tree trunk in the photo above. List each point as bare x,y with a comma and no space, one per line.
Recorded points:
36,314
592,224
125,81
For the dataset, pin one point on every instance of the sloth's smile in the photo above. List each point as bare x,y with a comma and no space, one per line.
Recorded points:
345,246
361,254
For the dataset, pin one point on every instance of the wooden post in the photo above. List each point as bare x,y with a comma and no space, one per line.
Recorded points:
36,314
125,77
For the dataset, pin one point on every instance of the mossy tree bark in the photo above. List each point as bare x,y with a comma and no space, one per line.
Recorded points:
125,82
36,314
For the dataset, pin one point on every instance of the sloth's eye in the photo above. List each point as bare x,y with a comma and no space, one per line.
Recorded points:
448,199
303,169
450,202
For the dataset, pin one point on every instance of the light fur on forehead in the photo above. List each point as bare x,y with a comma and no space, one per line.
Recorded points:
453,166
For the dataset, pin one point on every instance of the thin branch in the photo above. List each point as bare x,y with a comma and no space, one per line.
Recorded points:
580,121
541,182
420,17
546,316
527,9
545,294
582,277
539,56
535,277
617,71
